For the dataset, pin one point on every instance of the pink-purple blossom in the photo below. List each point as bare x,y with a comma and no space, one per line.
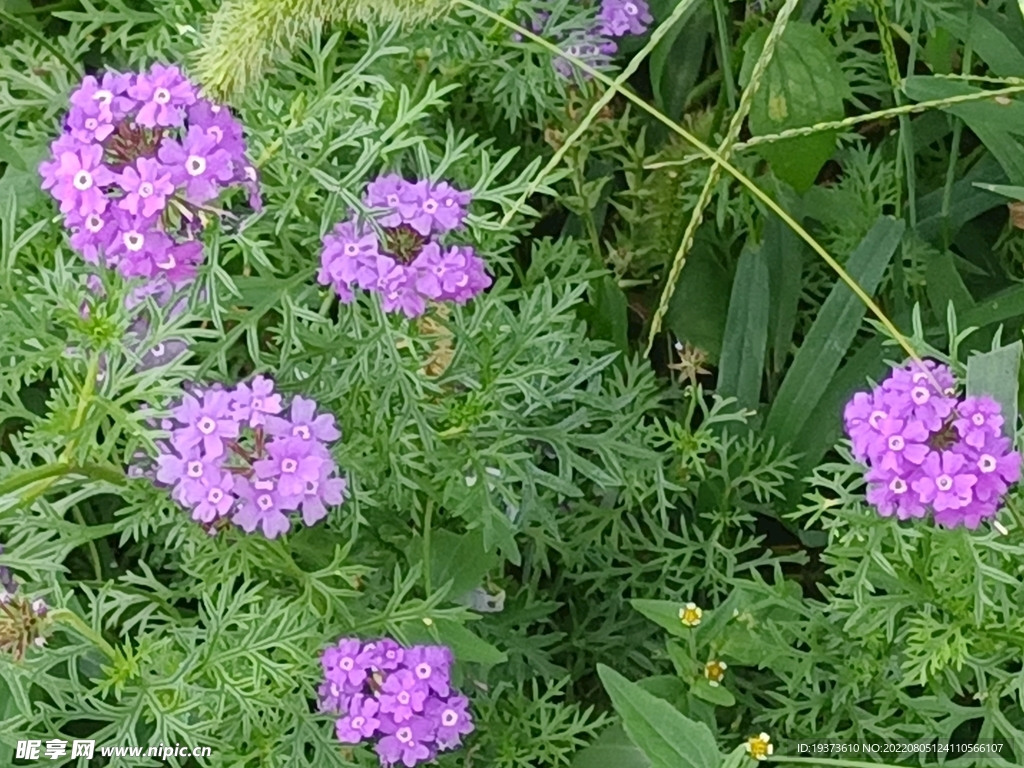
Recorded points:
928,451
405,264
400,697
221,462
135,147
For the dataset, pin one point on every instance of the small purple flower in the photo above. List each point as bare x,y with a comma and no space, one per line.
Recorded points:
292,464
898,441
454,275
911,391
93,234
326,489
197,164
304,424
451,207
397,196
451,719
349,257
402,695
406,742
187,474
399,292
430,665
980,419
342,665
208,423
331,698
257,404
261,506
106,97
149,186
996,465
76,180
619,17
969,515
890,493
218,122
360,722
943,484
384,654
163,91
218,495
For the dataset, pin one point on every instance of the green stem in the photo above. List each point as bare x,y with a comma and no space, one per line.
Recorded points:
723,53
427,515
672,125
72,620
828,761
94,554
954,155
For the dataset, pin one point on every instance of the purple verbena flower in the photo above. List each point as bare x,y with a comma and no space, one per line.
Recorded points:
149,185
359,724
943,483
262,506
980,419
255,405
405,742
208,422
343,666
451,720
77,178
430,665
164,92
620,17
198,164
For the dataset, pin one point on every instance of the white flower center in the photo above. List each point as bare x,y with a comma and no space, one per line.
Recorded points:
403,697
264,501
215,109
631,9
145,189
216,132
94,223
449,202
920,395
392,200
169,263
257,403
289,465
158,349
449,718
301,431
404,735
161,96
206,425
134,241
357,722
103,96
918,377
250,173
215,495
195,469
346,664
423,671
195,165
896,443
987,463
82,180
978,419
91,124
944,482
876,418
311,487
898,485
351,249
430,206
335,690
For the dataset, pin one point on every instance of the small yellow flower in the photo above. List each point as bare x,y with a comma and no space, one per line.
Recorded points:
714,671
690,615
428,621
760,747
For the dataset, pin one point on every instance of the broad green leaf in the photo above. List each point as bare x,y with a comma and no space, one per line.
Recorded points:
607,312
746,330
830,336
676,61
698,310
997,124
784,254
945,285
667,687
938,51
995,309
460,558
1014,193
465,644
988,41
803,85
664,613
666,736
612,749
997,374
717,695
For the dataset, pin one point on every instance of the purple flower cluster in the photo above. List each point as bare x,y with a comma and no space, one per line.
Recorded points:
7,582
140,156
232,458
401,696
404,264
596,45
928,450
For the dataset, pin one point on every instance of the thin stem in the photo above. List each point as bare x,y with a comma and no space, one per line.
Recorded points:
907,109
723,53
427,515
724,151
72,620
954,154
94,554
710,154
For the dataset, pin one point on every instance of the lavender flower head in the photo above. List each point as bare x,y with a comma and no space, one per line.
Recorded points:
233,458
23,622
402,697
928,450
405,265
140,155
